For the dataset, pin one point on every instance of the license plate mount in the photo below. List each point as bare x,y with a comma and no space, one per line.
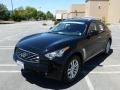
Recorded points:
20,64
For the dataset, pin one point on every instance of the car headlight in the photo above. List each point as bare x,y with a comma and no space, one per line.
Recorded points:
57,53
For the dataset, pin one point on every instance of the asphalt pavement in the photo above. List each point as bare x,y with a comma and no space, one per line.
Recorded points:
100,73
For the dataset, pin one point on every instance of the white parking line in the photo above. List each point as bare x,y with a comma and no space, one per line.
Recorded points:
10,71
114,72
7,47
8,37
87,78
92,72
111,65
12,36
103,66
116,48
89,83
115,45
7,65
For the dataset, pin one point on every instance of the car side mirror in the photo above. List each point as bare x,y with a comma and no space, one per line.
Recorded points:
92,33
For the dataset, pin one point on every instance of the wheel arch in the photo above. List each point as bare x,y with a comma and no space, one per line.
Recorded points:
71,55
80,55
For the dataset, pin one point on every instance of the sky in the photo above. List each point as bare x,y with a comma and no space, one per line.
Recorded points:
44,5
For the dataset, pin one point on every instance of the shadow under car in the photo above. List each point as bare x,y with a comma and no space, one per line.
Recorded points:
36,78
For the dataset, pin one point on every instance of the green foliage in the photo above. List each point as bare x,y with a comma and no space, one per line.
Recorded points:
41,16
49,15
30,13
19,14
24,14
4,13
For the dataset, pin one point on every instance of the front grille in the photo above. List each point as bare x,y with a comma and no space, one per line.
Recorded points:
27,55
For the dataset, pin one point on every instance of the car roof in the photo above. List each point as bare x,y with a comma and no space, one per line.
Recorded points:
83,19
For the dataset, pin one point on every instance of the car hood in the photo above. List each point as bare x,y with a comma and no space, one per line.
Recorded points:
46,41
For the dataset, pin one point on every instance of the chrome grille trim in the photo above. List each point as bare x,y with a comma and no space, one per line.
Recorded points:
31,57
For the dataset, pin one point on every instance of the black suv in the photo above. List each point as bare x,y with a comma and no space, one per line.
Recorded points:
60,52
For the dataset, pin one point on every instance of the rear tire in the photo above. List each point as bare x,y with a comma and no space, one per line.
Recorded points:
107,48
72,68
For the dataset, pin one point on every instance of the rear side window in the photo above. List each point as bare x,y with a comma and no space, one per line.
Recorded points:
101,27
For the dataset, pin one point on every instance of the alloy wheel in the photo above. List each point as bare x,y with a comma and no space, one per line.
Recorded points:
73,69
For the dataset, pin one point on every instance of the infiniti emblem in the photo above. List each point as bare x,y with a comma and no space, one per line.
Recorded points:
24,54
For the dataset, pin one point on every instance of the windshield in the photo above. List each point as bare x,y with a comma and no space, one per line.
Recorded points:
70,28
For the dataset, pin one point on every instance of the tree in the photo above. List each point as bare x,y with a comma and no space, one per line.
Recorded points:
24,14
40,15
49,15
31,13
4,13
19,14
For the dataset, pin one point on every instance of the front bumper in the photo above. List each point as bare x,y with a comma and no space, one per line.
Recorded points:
52,69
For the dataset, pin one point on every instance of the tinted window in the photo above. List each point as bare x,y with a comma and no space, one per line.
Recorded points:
101,27
71,28
92,27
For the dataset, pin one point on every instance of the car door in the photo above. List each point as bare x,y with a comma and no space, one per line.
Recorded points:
91,41
101,36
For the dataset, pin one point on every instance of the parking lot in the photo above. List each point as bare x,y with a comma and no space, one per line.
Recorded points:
100,73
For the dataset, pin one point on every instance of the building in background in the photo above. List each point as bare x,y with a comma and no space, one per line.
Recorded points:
77,10
106,10
97,8
61,14
114,11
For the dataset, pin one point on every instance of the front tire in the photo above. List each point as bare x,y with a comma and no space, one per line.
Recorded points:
72,69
